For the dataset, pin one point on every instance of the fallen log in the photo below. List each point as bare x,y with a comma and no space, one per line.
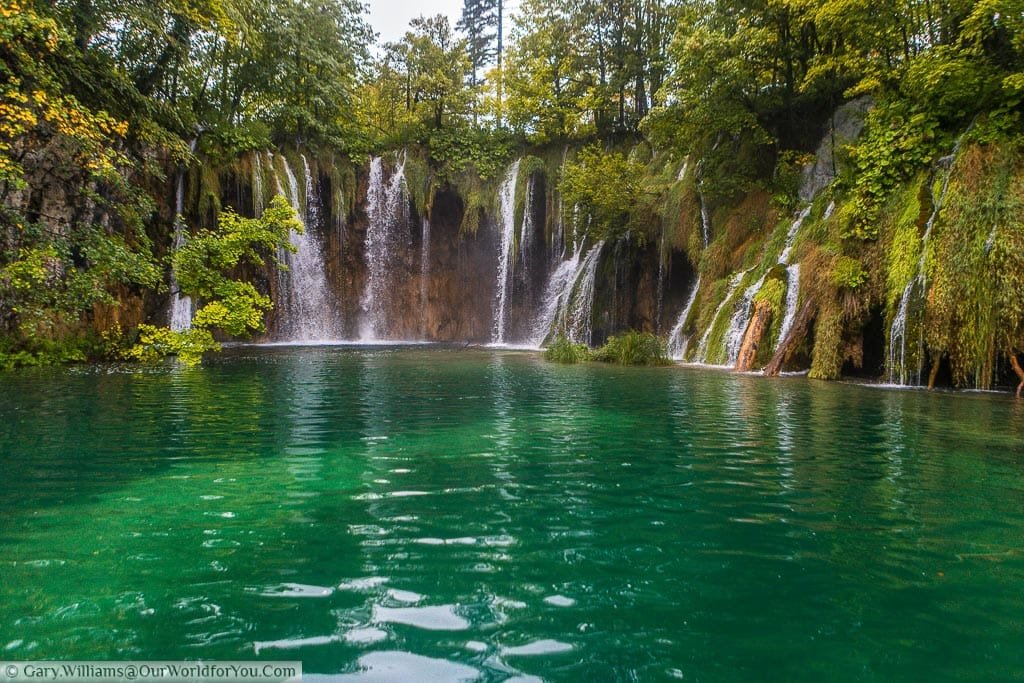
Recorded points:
759,323
797,332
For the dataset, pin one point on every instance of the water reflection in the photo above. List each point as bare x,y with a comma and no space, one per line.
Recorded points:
381,513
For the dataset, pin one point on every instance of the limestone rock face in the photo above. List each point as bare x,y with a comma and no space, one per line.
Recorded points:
842,128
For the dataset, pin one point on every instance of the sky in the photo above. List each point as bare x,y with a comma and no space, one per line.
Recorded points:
390,18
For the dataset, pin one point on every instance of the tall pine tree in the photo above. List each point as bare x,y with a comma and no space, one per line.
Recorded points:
479,23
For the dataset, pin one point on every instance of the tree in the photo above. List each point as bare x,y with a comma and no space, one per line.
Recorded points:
479,23
203,268
606,189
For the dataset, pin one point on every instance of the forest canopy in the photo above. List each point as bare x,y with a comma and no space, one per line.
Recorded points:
107,99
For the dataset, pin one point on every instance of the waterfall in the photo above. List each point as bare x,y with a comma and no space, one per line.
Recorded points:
794,228
897,370
580,318
312,197
676,342
558,232
734,283
556,295
526,233
705,221
384,209
273,174
180,315
506,257
792,297
304,302
181,305
740,320
745,308
424,273
257,185
568,300
376,249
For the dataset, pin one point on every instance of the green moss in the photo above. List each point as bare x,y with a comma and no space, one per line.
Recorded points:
344,185
208,194
419,180
975,270
476,200
827,359
903,239
772,293
848,273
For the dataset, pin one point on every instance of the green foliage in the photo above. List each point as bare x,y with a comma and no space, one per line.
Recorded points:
896,145
203,266
200,265
157,343
562,350
575,70
459,148
606,188
974,307
848,273
903,248
634,348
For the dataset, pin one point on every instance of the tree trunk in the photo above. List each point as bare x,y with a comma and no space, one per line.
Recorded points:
797,332
933,375
759,323
1015,364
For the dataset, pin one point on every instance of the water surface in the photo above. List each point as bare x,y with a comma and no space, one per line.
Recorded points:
432,514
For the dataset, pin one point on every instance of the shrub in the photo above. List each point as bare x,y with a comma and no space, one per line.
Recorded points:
563,350
634,348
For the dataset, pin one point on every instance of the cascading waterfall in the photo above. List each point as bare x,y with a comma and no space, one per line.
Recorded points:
705,222
556,295
506,257
734,283
792,297
257,185
677,343
745,309
793,272
526,233
897,362
740,320
305,306
794,228
579,322
385,211
424,272
180,315
181,305
312,197
568,301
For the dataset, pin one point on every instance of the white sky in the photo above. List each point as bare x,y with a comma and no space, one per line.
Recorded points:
390,18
